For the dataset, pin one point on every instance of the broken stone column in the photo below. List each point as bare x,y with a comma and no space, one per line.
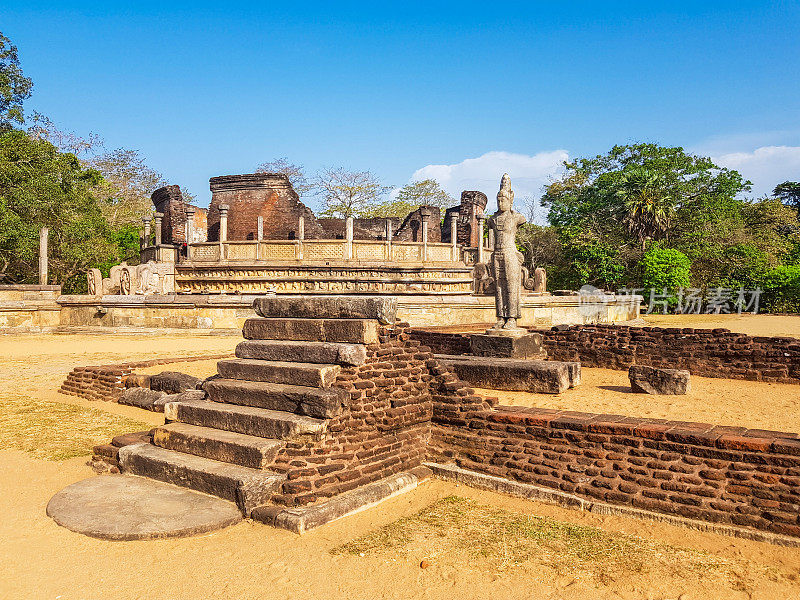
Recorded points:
453,236
43,235
190,210
146,235
157,226
348,234
223,222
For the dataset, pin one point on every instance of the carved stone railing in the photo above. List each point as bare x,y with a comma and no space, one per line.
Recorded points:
328,250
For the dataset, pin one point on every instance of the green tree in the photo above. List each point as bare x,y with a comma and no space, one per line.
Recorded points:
15,88
349,193
788,192
42,187
427,192
665,268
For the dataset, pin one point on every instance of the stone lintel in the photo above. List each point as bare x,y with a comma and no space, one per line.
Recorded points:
383,309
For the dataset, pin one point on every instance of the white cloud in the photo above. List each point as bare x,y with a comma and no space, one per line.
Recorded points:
766,166
528,173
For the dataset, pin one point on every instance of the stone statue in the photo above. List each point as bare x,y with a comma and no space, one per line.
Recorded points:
94,280
540,280
506,259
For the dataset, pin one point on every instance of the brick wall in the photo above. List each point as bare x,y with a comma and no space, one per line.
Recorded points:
705,352
169,201
363,229
269,195
729,475
107,382
383,429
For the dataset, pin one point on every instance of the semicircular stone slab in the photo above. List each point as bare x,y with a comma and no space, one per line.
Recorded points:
125,507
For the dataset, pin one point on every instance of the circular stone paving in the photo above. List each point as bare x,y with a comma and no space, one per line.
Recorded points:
125,507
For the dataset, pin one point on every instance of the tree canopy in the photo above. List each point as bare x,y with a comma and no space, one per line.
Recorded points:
349,193
15,88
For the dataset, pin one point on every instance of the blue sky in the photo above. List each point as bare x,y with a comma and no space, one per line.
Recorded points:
459,91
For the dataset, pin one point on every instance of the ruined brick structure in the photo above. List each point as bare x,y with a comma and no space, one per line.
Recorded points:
363,229
467,226
169,201
410,229
266,195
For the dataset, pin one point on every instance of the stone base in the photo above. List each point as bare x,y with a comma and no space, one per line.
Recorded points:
300,520
508,374
508,343
121,507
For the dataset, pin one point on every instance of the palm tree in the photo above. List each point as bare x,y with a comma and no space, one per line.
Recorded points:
648,203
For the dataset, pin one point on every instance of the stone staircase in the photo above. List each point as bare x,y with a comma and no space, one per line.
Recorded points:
277,390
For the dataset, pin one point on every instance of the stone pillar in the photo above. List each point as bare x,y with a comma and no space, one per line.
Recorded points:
491,240
157,226
454,236
223,231
301,235
388,226
481,218
348,234
190,210
260,228
44,233
424,214
146,236
223,222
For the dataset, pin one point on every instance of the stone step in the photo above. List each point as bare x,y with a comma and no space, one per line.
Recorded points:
301,400
275,371
381,308
522,375
260,422
216,444
351,331
303,352
246,487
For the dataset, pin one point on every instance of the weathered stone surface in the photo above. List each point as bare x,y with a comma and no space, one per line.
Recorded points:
173,382
116,507
224,446
141,397
537,376
652,380
383,309
137,380
307,374
304,352
500,346
313,402
247,487
126,439
260,422
300,520
355,331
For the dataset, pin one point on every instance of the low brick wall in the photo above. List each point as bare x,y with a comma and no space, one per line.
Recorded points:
729,475
107,382
705,352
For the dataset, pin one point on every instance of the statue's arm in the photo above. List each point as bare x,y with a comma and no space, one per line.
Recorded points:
520,219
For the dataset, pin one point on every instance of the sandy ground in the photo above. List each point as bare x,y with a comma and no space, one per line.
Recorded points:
39,559
767,325
754,404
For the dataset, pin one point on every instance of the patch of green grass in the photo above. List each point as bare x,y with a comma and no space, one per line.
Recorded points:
56,431
507,539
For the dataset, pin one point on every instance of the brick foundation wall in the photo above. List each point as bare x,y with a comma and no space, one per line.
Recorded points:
383,429
704,352
169,201
729,475
107,382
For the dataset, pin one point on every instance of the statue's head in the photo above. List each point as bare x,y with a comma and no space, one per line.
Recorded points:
505,197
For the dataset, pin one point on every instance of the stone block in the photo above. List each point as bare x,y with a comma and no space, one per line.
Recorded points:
382,309
303,352
652,380
140,397
501,346
137,380
313,402
537,376
353,331
305,374
173,382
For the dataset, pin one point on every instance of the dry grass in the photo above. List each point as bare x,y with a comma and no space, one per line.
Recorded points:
503,540
56,431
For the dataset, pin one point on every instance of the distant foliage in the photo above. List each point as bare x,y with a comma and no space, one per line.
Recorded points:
295,173
781,289
15,88
349,193
665,269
